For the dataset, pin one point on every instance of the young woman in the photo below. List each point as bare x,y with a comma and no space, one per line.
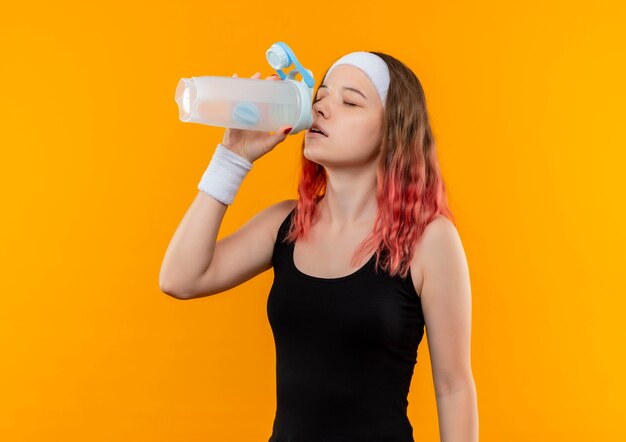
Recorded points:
364,260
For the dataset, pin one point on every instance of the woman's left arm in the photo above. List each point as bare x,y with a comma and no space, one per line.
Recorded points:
447,306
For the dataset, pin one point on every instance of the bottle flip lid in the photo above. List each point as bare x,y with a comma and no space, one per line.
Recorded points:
280,56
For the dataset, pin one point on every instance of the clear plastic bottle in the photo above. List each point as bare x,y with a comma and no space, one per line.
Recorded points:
249,103
241,103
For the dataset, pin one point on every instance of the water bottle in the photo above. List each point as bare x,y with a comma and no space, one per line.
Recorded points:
247,103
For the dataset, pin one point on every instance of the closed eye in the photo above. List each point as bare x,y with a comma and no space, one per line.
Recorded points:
345,102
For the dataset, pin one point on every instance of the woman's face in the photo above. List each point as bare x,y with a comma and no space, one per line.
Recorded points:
352,120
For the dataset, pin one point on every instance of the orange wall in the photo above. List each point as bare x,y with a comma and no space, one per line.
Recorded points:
527,104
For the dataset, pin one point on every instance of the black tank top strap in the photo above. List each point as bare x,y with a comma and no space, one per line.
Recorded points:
279,244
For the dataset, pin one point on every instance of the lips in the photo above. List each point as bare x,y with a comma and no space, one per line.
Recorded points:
315,128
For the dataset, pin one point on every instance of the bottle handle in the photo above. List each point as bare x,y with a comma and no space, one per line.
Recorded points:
280,56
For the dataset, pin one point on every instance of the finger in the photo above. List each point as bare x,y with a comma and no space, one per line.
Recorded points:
273,77
235,75
256,75
279,135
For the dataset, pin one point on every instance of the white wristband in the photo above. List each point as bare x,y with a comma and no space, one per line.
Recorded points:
226,171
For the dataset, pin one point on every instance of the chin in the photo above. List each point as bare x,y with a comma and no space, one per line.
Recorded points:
311,156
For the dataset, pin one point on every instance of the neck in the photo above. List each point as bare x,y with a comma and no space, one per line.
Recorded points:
350,200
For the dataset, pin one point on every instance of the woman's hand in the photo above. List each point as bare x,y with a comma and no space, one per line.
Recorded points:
253,144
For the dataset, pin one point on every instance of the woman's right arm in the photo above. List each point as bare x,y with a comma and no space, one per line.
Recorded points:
188,266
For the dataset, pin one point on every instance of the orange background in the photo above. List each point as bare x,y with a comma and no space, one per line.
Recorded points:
527,105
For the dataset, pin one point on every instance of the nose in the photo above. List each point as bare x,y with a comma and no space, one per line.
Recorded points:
317,109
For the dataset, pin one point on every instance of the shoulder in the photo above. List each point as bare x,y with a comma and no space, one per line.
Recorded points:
438,231
439,243
285,206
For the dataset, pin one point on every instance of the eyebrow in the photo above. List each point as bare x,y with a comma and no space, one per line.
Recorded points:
347,88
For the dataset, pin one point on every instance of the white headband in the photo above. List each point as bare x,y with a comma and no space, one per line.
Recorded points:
372,65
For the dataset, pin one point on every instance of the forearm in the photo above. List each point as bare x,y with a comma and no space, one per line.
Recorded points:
191,249
458,415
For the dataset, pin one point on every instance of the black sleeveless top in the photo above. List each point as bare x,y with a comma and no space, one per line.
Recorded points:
345,352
